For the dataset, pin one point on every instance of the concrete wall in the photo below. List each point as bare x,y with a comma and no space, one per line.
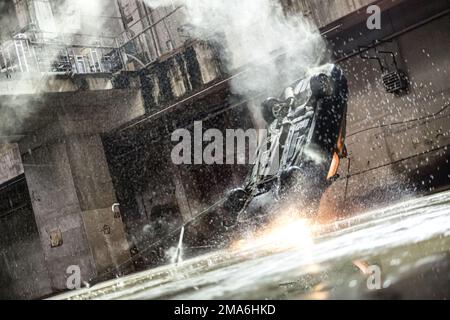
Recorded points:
36,83
72,195
57,210
180,75
68,183
96,197
30,105
10,162
411,155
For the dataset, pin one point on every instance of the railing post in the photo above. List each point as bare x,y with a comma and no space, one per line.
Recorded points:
68,58
36,59
18,56
76,62
93,61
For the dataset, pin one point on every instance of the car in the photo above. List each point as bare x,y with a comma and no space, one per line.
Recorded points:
295,163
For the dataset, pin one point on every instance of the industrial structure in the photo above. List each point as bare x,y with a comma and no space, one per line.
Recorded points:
86,117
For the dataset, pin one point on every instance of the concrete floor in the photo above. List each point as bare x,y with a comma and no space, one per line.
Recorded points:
405,246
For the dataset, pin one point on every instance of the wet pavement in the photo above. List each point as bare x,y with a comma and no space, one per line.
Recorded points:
401,251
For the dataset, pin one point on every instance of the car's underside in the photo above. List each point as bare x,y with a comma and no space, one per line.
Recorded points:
295,162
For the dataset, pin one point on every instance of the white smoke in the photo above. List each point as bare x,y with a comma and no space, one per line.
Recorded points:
256,34
89,17
66,22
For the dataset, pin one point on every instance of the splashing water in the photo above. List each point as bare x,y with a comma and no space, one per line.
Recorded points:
177,257
407,240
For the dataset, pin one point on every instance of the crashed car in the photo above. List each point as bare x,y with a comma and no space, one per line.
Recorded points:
298,159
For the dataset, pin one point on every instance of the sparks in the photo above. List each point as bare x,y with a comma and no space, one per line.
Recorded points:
286,232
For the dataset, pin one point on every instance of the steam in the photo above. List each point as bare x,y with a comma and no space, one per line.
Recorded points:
256,34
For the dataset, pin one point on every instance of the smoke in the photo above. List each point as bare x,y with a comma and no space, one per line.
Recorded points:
89,17
256,34
67,22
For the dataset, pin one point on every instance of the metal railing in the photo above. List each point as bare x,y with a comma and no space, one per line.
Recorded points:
36,51
27,54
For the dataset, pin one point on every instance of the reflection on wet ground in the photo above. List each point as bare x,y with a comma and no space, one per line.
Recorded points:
398,252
